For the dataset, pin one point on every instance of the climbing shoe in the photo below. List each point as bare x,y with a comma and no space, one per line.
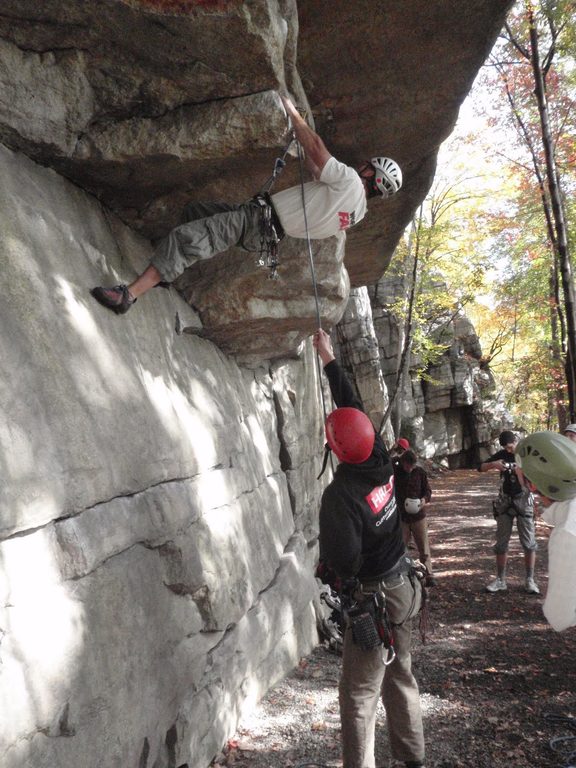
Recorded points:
498,585
118,298
531,587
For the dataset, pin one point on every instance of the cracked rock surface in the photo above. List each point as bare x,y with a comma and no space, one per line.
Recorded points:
149,104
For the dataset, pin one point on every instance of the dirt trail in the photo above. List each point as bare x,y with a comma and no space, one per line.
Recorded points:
489,672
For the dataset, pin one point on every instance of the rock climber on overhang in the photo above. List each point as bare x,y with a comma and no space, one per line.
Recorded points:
334,202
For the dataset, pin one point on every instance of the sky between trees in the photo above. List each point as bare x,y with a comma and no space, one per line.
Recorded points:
483,230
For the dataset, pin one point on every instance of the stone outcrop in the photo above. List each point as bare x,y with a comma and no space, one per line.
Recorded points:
452,412
158,505
148,104
358,352
158,498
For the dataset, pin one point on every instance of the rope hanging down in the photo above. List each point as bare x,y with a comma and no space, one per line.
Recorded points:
268,246
312,270
268,250
327,452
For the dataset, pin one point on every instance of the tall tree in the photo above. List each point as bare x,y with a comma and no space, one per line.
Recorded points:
533,35
441,272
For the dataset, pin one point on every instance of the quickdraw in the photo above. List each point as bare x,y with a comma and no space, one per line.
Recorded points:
271,233
270,229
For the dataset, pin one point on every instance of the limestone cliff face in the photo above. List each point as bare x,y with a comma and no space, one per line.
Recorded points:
158,497
158,504
149,104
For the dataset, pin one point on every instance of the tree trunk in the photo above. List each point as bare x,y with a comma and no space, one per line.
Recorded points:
407,342
559,218
557,392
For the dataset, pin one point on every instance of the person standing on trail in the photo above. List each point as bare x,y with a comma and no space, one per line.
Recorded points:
335,201
361,541
515,502
548,463
413,494
569,431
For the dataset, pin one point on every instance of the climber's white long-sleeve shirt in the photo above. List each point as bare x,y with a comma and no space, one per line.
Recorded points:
560,603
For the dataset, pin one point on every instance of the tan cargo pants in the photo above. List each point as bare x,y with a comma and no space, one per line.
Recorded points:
365,678
418,530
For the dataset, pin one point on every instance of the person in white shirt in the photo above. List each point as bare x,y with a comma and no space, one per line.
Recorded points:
335,201
548,462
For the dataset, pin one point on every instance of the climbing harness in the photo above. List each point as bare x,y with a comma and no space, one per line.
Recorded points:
504,505
271,231
364,613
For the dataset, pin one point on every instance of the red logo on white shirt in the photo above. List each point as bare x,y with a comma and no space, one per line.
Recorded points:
380,496
347,219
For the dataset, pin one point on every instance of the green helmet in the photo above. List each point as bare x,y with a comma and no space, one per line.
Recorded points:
548,460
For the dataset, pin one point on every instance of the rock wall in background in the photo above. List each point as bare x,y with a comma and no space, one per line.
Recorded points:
452,413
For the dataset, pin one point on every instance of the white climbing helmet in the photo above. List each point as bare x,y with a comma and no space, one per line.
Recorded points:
388,178
412,506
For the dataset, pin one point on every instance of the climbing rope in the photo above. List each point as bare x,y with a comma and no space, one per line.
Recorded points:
279,165
268,249
563,743
312,269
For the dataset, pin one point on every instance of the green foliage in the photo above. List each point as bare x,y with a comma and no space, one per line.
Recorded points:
482,240
518,322
450,270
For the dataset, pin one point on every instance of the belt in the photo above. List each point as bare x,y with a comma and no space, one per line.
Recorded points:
402,565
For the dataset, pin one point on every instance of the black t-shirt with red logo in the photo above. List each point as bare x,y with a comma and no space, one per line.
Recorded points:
360,531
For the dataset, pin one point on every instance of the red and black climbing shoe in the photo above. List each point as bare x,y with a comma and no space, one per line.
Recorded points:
118,298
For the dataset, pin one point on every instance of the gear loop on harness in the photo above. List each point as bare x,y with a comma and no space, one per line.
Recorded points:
271,231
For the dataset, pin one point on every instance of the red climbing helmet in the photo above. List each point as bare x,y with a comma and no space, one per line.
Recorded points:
350,435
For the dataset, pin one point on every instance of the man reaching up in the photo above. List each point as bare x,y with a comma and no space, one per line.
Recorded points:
335,201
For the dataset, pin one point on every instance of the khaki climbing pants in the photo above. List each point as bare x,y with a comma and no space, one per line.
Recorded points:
418,530
365,679
211,228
